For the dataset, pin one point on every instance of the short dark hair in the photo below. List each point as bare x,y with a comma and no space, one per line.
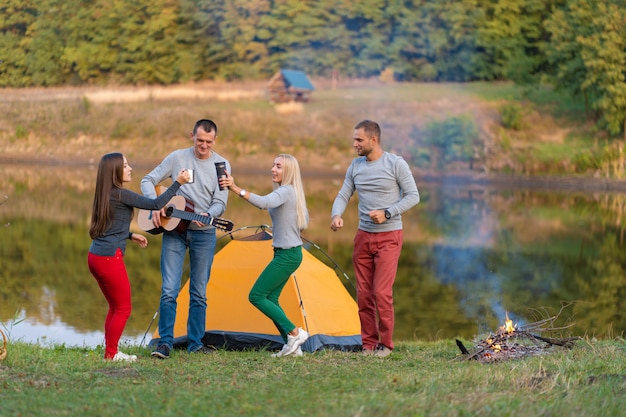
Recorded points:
370,127
206,125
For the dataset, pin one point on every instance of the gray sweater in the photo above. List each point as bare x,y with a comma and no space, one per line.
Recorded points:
384,184
122,203
281,205
204,192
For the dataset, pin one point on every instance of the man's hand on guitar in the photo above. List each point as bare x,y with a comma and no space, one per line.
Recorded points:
222,224
199,223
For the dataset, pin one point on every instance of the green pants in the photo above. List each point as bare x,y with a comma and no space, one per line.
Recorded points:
267,288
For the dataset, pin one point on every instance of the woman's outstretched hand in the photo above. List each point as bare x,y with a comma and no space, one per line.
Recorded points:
228,181
183,176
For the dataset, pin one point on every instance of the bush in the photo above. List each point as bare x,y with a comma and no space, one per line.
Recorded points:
20,132
511,115
453,139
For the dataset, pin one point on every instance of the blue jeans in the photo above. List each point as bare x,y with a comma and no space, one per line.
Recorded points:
201,245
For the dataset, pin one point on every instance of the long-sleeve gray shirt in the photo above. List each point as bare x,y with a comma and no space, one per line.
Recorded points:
204,192
384,184
122,203
281,205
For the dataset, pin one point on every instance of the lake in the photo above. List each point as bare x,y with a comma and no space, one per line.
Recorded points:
473,254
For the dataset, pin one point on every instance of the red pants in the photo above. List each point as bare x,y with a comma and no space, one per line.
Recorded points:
375,261
110,272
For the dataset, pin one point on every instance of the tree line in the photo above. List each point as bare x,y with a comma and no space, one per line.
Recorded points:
578,46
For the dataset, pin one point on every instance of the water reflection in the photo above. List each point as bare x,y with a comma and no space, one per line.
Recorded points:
471,253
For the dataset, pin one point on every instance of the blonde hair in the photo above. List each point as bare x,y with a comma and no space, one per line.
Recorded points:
292,176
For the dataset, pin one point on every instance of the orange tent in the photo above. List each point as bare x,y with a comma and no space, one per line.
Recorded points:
314,299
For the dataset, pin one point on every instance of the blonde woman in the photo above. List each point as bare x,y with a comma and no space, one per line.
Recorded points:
286,205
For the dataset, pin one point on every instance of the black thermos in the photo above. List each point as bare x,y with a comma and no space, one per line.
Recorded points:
220,167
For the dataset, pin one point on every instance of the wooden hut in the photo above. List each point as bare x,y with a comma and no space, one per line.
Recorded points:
289,85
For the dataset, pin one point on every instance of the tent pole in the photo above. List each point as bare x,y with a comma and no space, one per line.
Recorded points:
156,313
306,323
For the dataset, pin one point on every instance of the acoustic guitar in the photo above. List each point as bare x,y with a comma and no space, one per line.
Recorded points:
178,214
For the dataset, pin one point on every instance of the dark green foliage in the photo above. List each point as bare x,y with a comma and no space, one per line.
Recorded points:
16,16
168,41
578,45
587,56
509,35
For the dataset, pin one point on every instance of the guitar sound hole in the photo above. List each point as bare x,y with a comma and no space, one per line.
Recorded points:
169,211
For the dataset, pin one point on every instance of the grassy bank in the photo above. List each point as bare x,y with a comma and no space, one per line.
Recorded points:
536,132
419,379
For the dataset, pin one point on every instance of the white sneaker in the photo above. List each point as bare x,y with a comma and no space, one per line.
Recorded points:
298,352
382,352
123,357
294,342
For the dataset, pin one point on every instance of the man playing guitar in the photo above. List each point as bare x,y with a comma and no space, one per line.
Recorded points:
199,237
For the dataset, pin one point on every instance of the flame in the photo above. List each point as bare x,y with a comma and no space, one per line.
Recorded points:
508,327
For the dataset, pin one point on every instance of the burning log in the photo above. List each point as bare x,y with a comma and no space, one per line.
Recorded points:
462,347
515,342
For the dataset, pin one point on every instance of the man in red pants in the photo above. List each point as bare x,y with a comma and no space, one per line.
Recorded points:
386,189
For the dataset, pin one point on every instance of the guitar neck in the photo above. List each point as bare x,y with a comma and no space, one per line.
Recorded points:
187,215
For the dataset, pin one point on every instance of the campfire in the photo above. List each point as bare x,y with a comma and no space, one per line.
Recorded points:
511,341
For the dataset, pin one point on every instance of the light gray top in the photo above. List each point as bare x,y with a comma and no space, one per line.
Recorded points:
384,184
204,192
281,205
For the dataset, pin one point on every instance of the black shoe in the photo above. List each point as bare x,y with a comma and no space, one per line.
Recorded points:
205,350
161,352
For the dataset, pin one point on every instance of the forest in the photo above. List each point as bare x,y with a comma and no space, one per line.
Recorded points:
575,46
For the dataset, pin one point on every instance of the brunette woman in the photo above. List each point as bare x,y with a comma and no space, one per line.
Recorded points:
111,215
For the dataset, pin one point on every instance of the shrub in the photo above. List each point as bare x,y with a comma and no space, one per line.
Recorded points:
511,115
586,161
20,132
452,140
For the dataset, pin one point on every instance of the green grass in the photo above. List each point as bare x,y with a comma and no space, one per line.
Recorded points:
418,379
543,96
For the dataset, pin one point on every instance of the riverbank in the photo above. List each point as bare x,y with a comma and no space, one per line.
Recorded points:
465,179
76,126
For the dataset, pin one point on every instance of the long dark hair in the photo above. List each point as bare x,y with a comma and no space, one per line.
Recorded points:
110,176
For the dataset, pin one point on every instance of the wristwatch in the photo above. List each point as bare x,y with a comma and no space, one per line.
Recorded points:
387,215
242,193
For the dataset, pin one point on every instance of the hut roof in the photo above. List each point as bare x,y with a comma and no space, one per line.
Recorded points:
296,79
